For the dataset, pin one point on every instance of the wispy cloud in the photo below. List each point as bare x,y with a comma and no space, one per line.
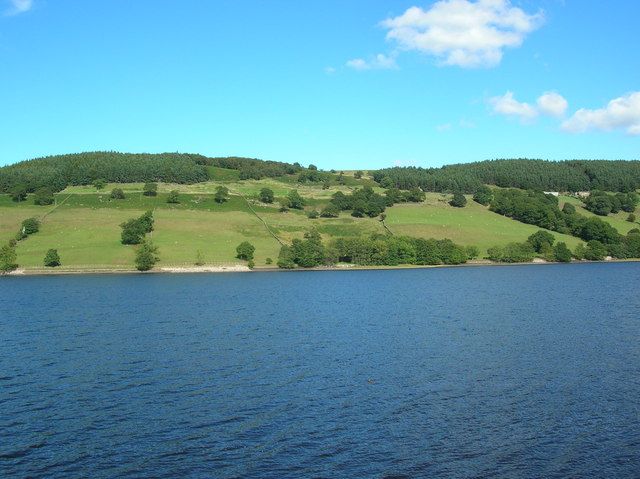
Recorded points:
19,6
379,62
621,113
463,33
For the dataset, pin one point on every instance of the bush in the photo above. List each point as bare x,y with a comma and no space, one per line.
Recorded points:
8,259
52,259
579,251
19,193
562,253
199,258
245,251
146,256
512,253
541,238
117,194
569,209
266,195
30,226
631,218
284,205
133,230
358,174
174,197
296,201
99,184
251,264
483,195
150,189
458,200
268,261
313,214
285,258
330,211
43,196
222,194
595,251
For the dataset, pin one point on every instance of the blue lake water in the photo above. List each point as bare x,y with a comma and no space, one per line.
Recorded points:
515,372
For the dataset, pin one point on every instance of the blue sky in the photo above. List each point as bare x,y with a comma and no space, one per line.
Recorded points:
341,84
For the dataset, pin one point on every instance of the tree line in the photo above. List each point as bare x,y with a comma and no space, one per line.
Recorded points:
572,175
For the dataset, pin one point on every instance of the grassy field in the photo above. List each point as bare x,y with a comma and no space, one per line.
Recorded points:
471,225
618,221
84,224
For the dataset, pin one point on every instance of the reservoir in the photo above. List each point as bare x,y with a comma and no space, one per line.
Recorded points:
524,371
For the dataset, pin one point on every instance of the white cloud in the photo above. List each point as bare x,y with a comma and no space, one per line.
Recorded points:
444,127
379,62
621,113
552,104
19,6
507,105
463,32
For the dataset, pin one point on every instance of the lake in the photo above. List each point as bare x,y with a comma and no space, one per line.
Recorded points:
515,372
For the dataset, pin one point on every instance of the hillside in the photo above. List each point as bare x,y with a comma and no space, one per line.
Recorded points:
83,221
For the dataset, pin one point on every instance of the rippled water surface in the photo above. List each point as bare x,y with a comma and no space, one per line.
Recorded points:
466,372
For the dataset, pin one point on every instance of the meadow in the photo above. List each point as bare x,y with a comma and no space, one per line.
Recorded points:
83,224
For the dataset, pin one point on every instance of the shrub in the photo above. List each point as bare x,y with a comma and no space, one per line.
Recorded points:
150,189
52,259
268,261
222,194
251,264
30,226
561,253
146,256
296,201
266,195
199,258
117,194
8,258
330,211
43,196
19,193
631,218
595,251
99,184
483,195
541,238
313,214
458,200
512,253
245,251
173,197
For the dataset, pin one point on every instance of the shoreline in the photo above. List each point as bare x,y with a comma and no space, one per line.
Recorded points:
244,269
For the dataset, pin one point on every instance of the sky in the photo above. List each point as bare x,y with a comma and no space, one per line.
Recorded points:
344,84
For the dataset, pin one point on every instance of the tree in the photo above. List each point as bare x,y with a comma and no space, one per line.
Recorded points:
458,200
222,194
541,238
117,194
631,218
8,258
313,168
173,197
99,184
245,251
284,204
569,209
296,201
416,195
19,193
330,211
595,251
268,261
313,214
483,195
52,259
562,253
150,189
358,174
43,196
133,230
30,226
146,256
285,258
266,195
579,251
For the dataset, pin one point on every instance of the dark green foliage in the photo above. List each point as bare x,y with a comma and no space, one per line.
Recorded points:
296,201
569,209
57,172
472,252
285,258
576,175
222,194
458,200
251,264
596,229
579,251
199,258
358,174
52,259
541,238
512,253
313,168
313,214
330,211
631,218
150,189
285,203
174,197
415,195
394,195
8,258
562,253
245,251
308,252
362,202
99,184
30,226
133,230
252,168
595,251
602,203
266,195
43,196
19,193
146,256
268,261
117,194
313,176
483,195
